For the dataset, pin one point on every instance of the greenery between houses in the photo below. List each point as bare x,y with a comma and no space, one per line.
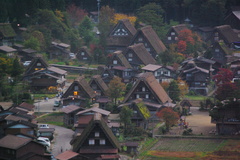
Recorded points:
55,118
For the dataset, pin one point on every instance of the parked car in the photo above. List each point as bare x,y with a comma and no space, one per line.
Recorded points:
44,142
26,63
72,55
57,103
43,126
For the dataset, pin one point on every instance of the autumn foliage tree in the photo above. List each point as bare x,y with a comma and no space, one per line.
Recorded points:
188,42
116,89
169,116
76,14
226,89
119,16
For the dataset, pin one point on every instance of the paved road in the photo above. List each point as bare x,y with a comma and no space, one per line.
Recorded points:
45,106
199,122
61,141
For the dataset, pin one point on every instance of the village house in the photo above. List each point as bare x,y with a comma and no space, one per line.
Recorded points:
138,56
161,73
149,38
8,51
120,36
173,33
100,89
14,147
84,54
225,34
105,73
84,117
196,77
141,113
69,117
27,54
59,50
226,118
7,34
21,126
120,66
70,155
233,18
42,76
79,93
97,141
204,32
150,91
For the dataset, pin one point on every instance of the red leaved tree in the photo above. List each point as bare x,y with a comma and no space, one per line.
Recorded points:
76,14
169,116
226,89
182,46
187,36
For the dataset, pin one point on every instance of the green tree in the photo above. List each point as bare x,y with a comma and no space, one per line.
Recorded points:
116,89
85,30
152,14
17,69
125,116
105,23
32,43
174,91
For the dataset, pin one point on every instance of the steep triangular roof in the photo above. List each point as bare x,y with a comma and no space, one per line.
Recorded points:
141,52
150,81
85,50
178,28
96,121
121,59
227,33
30,69
126,24
99,81
152,38
83,86
121,33
142,108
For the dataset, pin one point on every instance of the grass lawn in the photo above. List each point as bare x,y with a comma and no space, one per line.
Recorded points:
55,118
192,149
196,98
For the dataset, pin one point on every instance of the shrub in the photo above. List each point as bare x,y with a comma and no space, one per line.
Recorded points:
162,129
187,131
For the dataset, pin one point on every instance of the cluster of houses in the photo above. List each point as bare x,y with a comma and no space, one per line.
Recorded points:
19,132
133,54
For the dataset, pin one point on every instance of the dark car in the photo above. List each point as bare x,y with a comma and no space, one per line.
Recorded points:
57,103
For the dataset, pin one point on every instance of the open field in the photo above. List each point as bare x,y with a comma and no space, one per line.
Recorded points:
193,149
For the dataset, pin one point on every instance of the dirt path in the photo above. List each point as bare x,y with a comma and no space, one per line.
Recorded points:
199,122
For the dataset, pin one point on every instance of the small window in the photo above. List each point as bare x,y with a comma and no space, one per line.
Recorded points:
143,89
140,39
96,134
114,61
82,53
137,96
102,142
148,49
145,44
130,59
172,33
169,38
75,88
91,142
130,55
38,64
216,50
147,96
176,38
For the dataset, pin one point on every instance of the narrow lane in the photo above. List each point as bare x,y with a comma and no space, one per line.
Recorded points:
61,141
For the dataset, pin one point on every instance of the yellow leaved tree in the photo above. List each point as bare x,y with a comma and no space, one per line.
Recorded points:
119,16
